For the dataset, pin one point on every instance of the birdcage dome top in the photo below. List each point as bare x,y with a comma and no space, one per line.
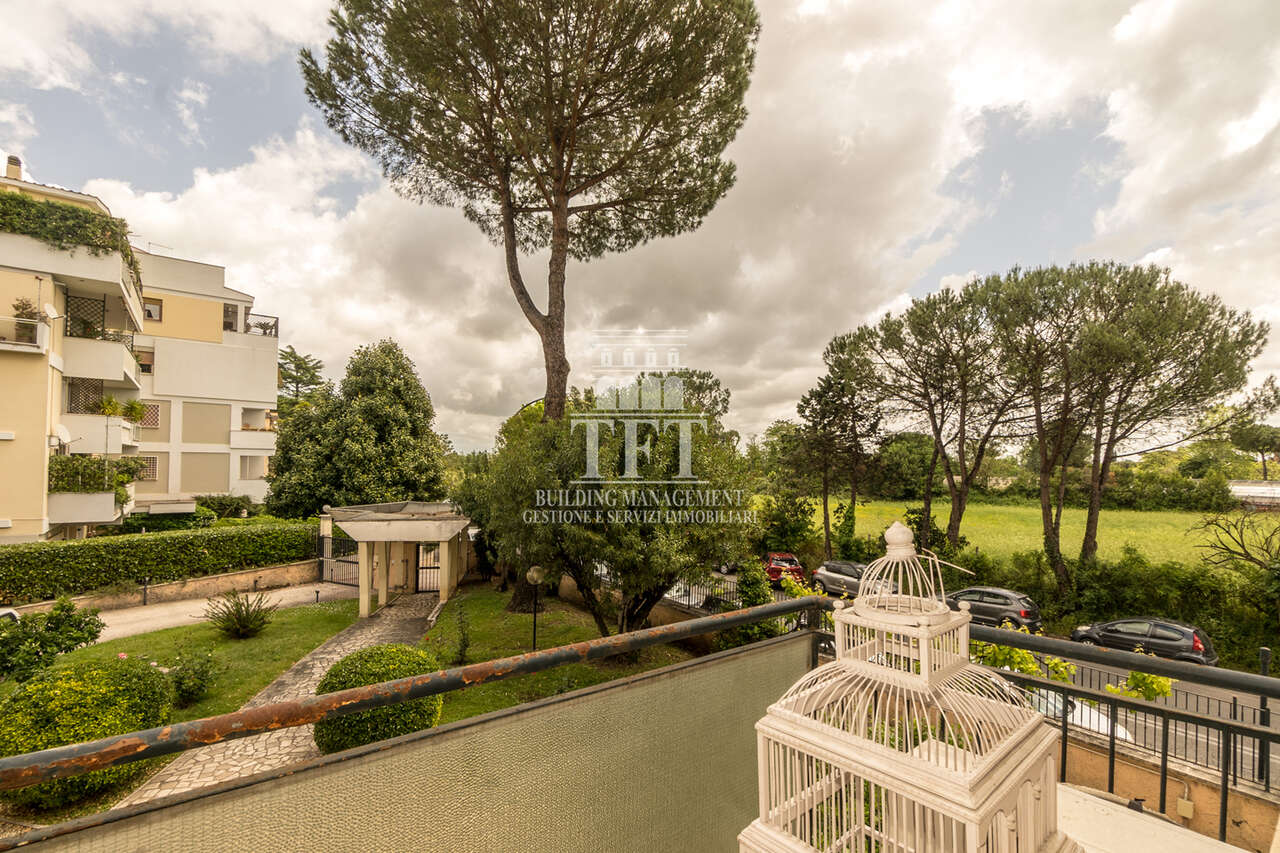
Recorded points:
955,725
903,584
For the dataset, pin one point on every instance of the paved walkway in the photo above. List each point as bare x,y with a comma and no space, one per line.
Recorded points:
405,621
127,621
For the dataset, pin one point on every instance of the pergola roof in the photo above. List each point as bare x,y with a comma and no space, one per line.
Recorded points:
403,521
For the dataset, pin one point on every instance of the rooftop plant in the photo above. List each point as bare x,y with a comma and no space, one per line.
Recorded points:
66,226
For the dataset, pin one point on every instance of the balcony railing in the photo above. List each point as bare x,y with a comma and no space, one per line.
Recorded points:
262,324
19,330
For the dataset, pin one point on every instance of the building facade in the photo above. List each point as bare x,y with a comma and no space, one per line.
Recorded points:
81,335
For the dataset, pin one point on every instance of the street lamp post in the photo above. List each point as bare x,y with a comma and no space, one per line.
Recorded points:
534,577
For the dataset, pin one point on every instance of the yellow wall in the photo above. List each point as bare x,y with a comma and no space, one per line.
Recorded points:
185,317
24,460
205,473
206,423
40,195
34,394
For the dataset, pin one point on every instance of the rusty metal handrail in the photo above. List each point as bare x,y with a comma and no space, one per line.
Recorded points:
18,771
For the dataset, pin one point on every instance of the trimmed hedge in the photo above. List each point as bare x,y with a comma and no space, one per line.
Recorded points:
77,703
373,665
38,571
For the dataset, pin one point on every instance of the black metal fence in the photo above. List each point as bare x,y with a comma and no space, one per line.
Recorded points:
1229,736
339,562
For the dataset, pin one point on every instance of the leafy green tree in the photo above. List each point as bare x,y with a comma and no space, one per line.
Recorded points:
786,523
643,556
370,440
900,468
580,127
753,591
1262,439
1155,352
299,378
937,363
1107,354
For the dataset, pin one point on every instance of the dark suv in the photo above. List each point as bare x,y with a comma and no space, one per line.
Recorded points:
991,605
1161,637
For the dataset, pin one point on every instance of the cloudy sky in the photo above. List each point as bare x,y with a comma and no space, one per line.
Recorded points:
891,149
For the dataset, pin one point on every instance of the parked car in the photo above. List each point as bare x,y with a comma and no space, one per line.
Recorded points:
7,615
1162,637
991,605
779,562
842,577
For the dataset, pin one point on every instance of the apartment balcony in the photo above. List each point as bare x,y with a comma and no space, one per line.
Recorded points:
19,334
100,433
101,276
253,439
105,354
83,508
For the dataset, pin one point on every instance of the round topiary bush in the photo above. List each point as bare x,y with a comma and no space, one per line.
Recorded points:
81,702
371,666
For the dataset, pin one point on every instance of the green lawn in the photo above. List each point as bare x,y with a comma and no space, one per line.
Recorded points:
246,666
495,633
1004,530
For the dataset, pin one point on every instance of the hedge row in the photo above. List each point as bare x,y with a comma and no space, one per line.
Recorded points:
42,570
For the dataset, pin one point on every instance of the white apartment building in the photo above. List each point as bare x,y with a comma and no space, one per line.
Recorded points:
78,329
209,373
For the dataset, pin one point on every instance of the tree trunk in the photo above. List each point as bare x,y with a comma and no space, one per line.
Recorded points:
553,357
1264,466
826,507
959,501
928,499
853,505
549,326
522,596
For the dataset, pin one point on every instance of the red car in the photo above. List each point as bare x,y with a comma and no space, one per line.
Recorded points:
778,562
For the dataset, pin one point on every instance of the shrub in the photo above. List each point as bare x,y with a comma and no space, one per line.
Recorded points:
240,616
191,672
37,571
229,506
93,474
753,590
177,521
31,644
81,702
373,665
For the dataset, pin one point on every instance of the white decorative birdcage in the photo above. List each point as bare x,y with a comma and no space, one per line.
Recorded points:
901,744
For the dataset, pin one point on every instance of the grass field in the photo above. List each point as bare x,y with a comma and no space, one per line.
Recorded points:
495,633
1004,530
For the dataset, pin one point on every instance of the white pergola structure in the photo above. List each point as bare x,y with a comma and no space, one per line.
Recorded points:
901,744
390,538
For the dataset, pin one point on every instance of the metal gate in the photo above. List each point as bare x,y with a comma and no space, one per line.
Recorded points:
339,562
428,566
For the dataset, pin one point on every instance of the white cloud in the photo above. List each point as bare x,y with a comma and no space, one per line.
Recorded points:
17,128
189,101
859,113
41,44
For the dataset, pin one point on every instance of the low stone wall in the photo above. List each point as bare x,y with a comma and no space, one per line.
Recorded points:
1251,820
267,577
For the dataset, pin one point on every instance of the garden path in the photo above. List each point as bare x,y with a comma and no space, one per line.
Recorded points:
406,620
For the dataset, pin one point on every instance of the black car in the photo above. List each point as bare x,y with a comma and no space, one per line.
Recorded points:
1161,637
991,605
